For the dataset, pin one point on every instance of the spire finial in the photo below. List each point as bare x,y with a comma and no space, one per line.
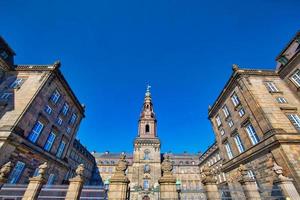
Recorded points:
148,90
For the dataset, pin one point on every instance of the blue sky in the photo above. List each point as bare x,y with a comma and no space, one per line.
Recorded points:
110,50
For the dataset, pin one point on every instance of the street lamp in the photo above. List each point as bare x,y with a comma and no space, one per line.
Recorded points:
106,187
178,188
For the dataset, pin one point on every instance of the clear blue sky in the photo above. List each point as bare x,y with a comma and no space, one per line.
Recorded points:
110,49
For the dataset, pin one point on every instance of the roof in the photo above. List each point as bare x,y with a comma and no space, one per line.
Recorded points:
288,44
2,40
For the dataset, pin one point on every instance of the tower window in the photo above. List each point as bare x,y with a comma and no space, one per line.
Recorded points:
146,184
147,155
147,128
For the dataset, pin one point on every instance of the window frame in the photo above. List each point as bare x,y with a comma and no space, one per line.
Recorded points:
297,77
49,143
34,135
17,172
239,143
271,86
228,150
235,99
252,134
294,118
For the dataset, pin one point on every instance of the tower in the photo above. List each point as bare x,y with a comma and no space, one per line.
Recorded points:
146,168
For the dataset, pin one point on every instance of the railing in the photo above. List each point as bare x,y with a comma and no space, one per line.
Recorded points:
57,192
12,192
92,193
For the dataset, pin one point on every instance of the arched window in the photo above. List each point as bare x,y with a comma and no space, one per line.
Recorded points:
147,128
147,155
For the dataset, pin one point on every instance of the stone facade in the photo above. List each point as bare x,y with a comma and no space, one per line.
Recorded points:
39,118
256,120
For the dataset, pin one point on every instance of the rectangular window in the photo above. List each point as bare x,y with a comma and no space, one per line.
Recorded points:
230,123
59,121
73,118
271,87
36,172
235,99
228,150
295,119
239,143
218,120
252,134
48,110
50,141
36,131
6,95
296,78
65,109
68,130
60,150
51,179
241,112
225,111
281,100
17,83
16,173
146,184
55,96
222,132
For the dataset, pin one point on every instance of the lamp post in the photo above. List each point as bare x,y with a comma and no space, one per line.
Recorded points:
106,188
178,188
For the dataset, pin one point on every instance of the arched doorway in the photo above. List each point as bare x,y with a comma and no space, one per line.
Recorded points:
146,198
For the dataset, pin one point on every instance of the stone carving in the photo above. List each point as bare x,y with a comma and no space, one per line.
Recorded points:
279,172
122,164
4,171
42,170
167,166
235,67
56,64
208,175
79,171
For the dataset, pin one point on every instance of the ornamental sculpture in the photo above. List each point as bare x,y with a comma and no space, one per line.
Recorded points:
122,164
167,166
279,172
208,175
5,169
42,169
79,171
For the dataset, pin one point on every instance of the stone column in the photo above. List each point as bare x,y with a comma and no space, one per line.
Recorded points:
167,181
4,172
285,184
249,185
35,184
76,184
210,184
118,187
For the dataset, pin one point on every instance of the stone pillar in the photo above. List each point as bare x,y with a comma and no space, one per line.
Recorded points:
76,184
210,184
167,181
285,184
4,172
249,185
35,184
118,187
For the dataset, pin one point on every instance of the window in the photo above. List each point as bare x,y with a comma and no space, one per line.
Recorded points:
230,123
16,173
48,110
147,128
51,179
271,87
146,184
50,141
4,55
228,150
296,77
241,112
295,119
147,155
73,118
235,99
68,130
65,108
222,132
218,120
36,172
146,169
60,149
36,131
239,143
281,100
17,83
59,121
55,96
225,111
6,95
252,134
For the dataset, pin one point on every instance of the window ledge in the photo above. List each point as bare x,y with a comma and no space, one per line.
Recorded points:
289,108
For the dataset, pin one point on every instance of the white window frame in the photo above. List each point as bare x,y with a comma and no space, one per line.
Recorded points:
73,118
36,131
235,99
242,112
222,132
252,134
16,172
6,95
239,143
230,123
50,141
146,184
17,83
60,149
271,87
48,109
295,120
218,121
59,121
69,130
228,150
55,96
65,108
296,78
225,111
281,100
